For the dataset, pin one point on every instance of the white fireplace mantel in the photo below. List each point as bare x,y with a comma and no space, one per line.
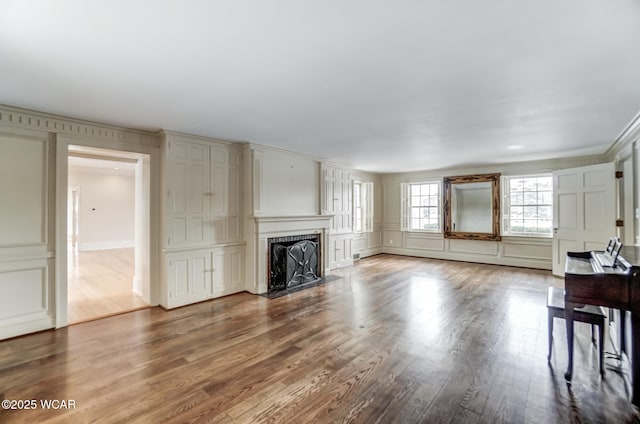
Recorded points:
291,224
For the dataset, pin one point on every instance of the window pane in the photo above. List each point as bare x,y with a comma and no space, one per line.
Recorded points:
516,212
530,184
517,198
545,183
517,184
545,212
530,212
530,198
545,225
545,198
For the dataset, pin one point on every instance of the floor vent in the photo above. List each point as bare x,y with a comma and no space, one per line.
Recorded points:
356,256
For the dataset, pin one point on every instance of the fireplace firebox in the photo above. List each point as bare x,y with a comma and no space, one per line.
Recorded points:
293,261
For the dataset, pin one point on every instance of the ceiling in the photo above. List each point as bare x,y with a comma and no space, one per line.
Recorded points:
377,85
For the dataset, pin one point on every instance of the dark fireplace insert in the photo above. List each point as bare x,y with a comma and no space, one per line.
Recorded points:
293,261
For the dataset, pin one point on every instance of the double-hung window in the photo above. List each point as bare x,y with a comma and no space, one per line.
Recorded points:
421,206
528,205
362,207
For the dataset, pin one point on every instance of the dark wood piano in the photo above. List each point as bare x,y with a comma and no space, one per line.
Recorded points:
587,282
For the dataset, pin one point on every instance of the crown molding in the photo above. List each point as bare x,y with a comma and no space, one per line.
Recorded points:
176,135
29,119
628,135
512,168
264,148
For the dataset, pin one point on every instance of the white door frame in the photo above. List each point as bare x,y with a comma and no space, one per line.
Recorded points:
152,240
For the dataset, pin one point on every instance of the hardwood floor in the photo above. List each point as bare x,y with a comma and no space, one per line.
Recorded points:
395,339
100,283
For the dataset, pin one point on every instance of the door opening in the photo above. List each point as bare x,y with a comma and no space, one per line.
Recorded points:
108,233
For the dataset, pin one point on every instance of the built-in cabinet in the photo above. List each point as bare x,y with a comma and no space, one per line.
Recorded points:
199,275
204,247
336,200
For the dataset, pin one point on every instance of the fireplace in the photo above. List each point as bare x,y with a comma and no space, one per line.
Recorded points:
293,261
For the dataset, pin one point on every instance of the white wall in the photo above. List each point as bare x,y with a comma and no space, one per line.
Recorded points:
289,183
106,208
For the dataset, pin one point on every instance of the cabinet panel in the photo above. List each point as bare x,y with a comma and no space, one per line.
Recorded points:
189,277
219,271
234,223
219,186
340,252
188,183
228,271
336,199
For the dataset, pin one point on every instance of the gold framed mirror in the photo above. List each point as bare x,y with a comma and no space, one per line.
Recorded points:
472,207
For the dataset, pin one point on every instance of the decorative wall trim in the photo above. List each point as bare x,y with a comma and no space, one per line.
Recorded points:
179,136
512,168
261,148
467,257
104,245
23,118
630,134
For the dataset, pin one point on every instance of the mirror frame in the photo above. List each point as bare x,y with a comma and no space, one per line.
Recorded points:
494,179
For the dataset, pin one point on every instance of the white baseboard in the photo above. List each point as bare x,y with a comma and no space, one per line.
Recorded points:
104,245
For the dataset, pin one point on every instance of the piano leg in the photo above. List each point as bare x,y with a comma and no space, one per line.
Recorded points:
635,357
568,318
623,331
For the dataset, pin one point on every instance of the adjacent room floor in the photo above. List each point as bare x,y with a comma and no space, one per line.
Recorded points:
100,284
392,339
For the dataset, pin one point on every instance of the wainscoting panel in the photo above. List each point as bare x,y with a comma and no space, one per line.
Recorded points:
423,242
26,304
475,247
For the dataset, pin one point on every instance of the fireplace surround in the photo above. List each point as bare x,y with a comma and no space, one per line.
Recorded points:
267,227
293,261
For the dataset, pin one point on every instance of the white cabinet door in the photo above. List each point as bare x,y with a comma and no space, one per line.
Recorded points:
234,221
225,200
188,193
336,199
219,195
227,271
327,199
340,252
189,277
583,211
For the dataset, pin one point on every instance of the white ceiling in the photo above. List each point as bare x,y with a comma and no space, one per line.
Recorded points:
375,84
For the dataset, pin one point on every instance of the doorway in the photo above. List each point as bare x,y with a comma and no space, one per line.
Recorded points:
107,222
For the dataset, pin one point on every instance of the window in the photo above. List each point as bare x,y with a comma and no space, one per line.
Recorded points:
421,206
362,207
528,205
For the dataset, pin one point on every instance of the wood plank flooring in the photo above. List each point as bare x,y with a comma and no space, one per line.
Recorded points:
395,339
100,283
